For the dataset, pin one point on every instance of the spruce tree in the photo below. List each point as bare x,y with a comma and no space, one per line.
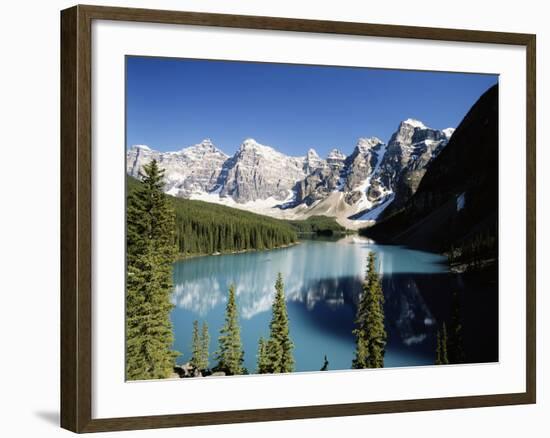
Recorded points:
196,347
370,332
361,349
205,346
230,355
279,346
263,362
150,253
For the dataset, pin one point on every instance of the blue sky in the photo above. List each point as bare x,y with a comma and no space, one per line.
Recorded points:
174,103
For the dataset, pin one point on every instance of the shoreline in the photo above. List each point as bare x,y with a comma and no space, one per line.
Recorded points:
182,257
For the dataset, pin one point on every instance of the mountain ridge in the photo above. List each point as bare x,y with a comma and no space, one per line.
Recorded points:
455,207
262,179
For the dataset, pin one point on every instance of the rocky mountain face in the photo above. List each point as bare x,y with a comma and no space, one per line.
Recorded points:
410,149
256,177
193,169
362,162
455,206
260,172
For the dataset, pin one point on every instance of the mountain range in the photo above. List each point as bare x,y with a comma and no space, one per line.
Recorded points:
356,189
454,207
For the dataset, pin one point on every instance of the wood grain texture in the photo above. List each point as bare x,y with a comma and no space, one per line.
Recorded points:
69,329
76,219
299,25
531,247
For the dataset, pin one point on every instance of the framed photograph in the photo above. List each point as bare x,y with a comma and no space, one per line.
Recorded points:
269,218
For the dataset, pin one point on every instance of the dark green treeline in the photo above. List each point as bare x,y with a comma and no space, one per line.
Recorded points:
150,254
320,225
201,230
207,228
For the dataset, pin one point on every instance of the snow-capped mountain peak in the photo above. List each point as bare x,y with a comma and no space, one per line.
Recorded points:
313,161
448,132
366,144
206,144
192,169
312,153
336,154
414,123
250,142
204,147
260,178
410,150
258,172
251,145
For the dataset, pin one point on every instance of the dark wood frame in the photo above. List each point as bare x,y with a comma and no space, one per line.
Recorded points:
76,225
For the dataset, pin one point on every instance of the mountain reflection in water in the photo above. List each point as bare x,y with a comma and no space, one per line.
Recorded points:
323,281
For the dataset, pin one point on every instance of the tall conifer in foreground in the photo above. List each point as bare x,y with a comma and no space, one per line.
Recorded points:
150,253
200,345
230,355
279,346
205,346
196,347
263,361
370,332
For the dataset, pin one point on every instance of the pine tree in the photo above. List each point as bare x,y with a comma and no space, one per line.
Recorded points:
205,346
279,346
230,355
370,331
150,253
361,350
196,347
263,363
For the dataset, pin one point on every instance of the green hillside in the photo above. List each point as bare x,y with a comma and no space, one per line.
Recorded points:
321,225
206,228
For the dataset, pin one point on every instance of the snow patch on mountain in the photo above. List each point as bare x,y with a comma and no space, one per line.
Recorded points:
364,203
415,123
448,132
374,213
336,155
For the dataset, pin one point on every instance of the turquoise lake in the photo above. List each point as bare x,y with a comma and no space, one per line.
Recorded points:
322,284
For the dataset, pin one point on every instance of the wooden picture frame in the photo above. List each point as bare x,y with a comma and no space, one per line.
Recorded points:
76,217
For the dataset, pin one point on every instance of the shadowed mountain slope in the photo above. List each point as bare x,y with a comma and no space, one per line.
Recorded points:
455,208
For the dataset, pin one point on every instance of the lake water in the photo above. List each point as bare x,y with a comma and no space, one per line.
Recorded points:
322,283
